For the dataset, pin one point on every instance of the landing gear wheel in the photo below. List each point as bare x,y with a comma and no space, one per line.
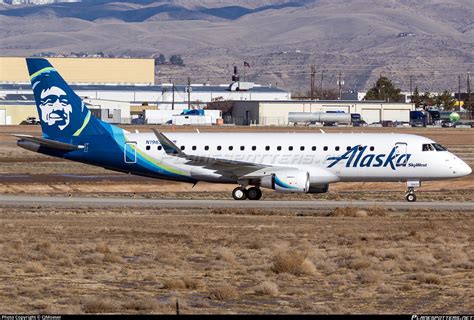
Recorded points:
254,193
411,197
239,193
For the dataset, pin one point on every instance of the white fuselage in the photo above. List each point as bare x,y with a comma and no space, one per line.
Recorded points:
328,158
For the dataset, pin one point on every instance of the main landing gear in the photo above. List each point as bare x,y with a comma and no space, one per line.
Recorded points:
252,193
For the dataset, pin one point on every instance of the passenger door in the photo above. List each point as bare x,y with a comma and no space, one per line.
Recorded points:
401,152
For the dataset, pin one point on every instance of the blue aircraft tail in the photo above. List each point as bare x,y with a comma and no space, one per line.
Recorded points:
62,113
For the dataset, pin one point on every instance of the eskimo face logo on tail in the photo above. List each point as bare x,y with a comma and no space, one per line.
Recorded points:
356,157
55,107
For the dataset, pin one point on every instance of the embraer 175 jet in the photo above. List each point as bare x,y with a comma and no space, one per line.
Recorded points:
285,162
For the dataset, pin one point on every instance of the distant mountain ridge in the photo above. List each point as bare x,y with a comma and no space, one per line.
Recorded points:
95,10
430,42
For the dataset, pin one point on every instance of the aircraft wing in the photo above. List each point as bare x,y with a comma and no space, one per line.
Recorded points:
229,168
42,142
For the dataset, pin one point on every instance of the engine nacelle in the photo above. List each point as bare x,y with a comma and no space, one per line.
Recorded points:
318,188
287,181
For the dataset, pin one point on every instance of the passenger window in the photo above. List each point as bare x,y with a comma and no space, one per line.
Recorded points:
325,148
219,148
206,148
254,148
372,148
148,147
231,148
290,148
194,147
348,148
242,148
182,148
159,148
267,148
337,148
427,147
279,148
302,148
313,148
360,148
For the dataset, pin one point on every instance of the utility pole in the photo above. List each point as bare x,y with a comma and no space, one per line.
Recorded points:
459,92
340,83
468,87
313,74
411,88
321,89
189,93
172,101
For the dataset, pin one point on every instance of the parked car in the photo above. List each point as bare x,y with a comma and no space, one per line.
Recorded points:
30,121
387,123
359,123
447,124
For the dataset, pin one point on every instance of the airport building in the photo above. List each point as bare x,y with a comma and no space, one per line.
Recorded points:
276,112
125,84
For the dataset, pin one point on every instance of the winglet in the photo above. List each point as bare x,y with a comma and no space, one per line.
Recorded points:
168,145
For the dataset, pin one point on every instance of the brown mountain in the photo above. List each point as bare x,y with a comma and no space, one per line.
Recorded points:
432,41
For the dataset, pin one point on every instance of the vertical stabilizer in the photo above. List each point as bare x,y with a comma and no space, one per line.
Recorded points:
62,113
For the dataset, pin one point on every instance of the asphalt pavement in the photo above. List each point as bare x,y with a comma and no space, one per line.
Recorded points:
91,202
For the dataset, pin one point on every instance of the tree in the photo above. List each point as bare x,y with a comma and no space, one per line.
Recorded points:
383,90
469,101
445,100
427,99
416,98
176,60
160,60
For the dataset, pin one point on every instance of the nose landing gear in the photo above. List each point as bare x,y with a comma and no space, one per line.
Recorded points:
410,194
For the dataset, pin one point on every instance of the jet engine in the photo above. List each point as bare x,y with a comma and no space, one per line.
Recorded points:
294,181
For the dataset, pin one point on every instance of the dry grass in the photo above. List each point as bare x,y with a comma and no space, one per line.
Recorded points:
223,293
141,260
100,305
146,305
292,261
375,211
174,284
34,267
428,278
267,288
102,247
227,255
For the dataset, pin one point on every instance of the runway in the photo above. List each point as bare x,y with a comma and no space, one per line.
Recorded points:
90,202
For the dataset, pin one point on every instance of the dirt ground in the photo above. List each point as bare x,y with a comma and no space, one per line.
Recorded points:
236,261
345,260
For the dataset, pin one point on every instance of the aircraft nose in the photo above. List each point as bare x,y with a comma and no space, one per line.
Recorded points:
462,169
465,169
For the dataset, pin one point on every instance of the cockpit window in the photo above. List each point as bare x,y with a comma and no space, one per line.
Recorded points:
428,147
439,147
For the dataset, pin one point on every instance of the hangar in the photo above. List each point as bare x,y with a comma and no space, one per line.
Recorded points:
85,70
276,112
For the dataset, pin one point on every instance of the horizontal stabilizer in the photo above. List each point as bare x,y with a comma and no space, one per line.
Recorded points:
47,143
168,145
